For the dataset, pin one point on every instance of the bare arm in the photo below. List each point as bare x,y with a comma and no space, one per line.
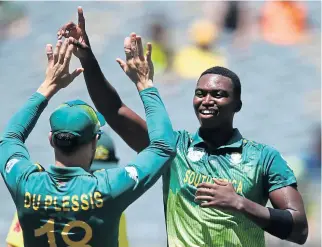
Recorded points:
125,122
222,195
287,198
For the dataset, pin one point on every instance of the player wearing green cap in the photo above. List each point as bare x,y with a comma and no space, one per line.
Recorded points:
105,158
216,189
105,155
67,205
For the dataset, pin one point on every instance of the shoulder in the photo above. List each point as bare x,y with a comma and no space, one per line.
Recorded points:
22,166
181,133
183,137
265,154
261,148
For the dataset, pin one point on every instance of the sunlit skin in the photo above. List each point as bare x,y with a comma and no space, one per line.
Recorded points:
216,94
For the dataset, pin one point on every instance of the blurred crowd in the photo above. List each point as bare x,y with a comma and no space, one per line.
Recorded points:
218,32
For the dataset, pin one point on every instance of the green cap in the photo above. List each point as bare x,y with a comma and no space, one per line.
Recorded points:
78,118
105,156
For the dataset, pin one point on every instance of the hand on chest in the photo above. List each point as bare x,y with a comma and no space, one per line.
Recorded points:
232,166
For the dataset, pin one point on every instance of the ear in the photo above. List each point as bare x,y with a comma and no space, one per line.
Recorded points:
50,138
95,142
239,106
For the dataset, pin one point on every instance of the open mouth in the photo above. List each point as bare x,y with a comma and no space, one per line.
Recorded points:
209,112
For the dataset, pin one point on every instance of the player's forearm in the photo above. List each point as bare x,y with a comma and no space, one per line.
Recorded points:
22,123
18,129
158,122
293,225
149,164
255,212
152,161
103,94
126,123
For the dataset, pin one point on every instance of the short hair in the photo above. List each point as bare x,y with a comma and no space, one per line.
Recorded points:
66,142
217,70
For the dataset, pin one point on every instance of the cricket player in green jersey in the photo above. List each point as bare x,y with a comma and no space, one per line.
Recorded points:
68,205
216,189
104,158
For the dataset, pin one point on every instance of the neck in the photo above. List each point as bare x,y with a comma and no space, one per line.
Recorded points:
216,137
73,160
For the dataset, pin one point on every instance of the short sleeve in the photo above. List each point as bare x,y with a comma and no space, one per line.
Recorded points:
277,173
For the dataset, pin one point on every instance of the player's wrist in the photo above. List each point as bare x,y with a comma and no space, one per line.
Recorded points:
87,56
142,85
239,204
47,90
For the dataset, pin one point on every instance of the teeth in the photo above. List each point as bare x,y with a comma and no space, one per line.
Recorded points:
207,112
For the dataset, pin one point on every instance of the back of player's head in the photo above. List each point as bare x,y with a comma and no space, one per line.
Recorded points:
74,123
217,70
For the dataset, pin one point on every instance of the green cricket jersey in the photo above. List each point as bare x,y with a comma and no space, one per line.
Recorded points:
69,206
254,170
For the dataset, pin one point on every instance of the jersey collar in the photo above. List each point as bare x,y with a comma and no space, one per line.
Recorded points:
235,142
66,171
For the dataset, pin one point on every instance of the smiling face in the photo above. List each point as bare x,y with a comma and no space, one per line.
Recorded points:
214,101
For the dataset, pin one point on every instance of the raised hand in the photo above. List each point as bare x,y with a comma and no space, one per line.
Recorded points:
139,68
57,73
78,33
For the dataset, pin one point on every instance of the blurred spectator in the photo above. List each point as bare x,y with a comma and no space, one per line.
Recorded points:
284,22
233,17
13,21
159,37
105,155
192,60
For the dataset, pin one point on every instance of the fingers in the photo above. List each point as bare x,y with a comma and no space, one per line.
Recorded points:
205,185
134,49
57,49
148,52
64,30
127,48
62,51
49,53
140,47
76,73
77,43
81,19
205,191
203,198
69,53
220,182
122,64
206,204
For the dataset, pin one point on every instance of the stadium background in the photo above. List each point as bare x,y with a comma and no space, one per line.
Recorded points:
280,89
